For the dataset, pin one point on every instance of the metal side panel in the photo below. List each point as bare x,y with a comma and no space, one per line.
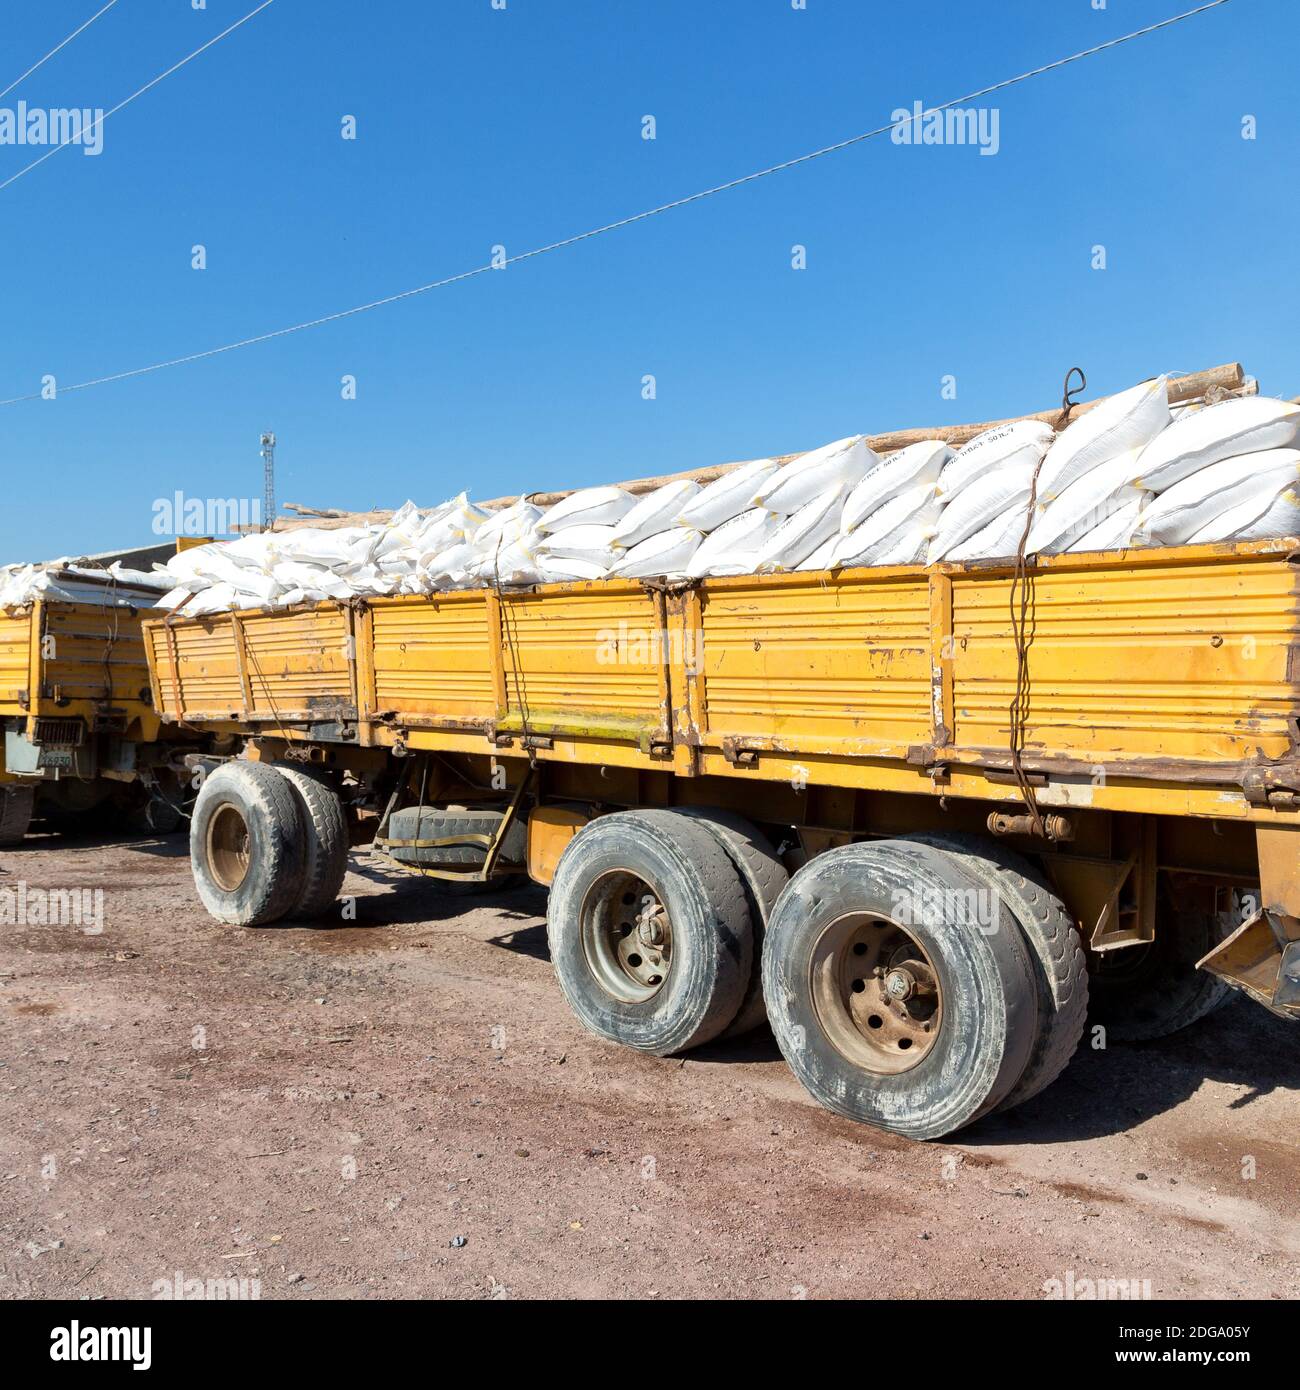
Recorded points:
586,660
1192,658
93,652
816,664
195,667
299,661
432,657
287,666
15,660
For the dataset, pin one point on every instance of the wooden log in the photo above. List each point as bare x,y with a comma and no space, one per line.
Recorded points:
1216,382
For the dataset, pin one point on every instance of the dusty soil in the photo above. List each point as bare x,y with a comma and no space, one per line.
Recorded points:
330,1109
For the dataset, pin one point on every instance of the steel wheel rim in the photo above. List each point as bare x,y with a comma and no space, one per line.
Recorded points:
626,936
876,993
228,847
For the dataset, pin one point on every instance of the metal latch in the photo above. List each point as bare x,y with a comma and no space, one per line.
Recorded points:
737,756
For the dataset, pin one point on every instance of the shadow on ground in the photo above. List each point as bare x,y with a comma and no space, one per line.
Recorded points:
1108,1091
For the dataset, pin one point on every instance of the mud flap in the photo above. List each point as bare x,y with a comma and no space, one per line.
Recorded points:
1262,959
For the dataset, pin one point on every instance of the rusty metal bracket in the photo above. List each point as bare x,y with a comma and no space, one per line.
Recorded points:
737,755
1262,961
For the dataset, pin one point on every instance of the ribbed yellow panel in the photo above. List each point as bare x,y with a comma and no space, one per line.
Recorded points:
298,660
433,657
295,661
814,664
206,662
15,660
92,648
584,655
1186,660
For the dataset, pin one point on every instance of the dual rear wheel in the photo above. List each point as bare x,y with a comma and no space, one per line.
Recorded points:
915,986
267,843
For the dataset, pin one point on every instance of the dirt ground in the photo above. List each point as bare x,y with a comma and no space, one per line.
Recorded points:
402,1106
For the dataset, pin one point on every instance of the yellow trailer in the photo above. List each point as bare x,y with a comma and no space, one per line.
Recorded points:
916,815
78,725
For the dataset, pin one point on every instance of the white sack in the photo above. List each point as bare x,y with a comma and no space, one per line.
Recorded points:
823,558
1242,425
994,540
1115,532
668,553
733,548
562,570
795,539
1004,446
726,497
1116,426
989,495
914,466
1282,518
656,511
1084,504
595,544
914,510
592,506
1191,505
809,477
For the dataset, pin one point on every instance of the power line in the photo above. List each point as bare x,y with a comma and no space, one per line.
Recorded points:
99,120
56,48
627,221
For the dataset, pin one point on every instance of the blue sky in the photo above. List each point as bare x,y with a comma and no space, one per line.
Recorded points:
478,126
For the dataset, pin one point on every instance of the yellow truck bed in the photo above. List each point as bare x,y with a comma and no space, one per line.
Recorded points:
1163,681
62,660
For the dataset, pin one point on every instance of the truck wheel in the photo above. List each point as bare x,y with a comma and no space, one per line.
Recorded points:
325,834
16,806
1055,952
649,931
1141,993
888,1004
764,876
247,844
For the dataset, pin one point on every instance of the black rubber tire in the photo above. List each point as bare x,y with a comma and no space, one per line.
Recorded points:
712,936
989,999
764,877
325,843
17,805
1141,993
269,807
1055,952
436,823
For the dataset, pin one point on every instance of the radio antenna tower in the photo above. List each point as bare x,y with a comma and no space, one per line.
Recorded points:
268,479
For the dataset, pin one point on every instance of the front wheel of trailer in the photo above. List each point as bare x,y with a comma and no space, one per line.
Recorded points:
247,844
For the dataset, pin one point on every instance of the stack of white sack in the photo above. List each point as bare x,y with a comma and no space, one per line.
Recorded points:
114,586
1225,472
413,552
1127,472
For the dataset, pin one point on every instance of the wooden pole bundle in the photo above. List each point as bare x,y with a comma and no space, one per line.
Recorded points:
1207,386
